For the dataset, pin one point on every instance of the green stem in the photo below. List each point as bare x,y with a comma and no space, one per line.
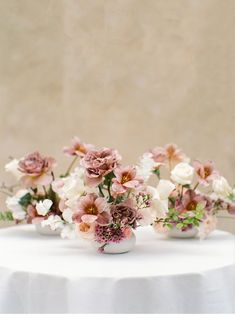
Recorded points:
196,185
71,166
6,192
100,190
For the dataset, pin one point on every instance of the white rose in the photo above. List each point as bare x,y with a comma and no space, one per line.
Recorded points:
221,187
182,173
12,167
43,207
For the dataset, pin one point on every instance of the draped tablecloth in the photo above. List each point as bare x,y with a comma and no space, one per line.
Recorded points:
49,275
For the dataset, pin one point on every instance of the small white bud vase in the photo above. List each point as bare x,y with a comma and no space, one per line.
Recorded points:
177,233
123,246
46,230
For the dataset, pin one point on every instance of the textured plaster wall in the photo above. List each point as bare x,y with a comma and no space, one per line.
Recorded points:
128,74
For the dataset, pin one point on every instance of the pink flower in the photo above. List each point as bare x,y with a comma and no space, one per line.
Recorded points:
125,180
36,169
189,201
98,163
86,230
92,208
158,154
78,148
125,214
175,154
205,172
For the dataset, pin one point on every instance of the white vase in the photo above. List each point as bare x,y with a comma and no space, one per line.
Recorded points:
46,230
123,246
176,233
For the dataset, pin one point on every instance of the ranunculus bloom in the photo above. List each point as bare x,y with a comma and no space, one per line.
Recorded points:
125,180
182,173
36,169
205,172
98,163
78,148
189,201
175,154
124,213
86,230
92,208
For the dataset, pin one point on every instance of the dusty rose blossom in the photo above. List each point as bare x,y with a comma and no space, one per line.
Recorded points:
159,154
205,172
92,208
174,154
98,163
125,180
124,213
189,201
36,169
78,148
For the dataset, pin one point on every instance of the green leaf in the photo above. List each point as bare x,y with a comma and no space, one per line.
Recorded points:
25,200
169,226
6,216
157,173
108,178
179,226
199,207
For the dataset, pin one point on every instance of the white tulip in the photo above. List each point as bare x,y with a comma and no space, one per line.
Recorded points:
182,173
43,207
221,187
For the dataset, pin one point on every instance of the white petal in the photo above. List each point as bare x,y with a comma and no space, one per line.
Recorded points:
164,188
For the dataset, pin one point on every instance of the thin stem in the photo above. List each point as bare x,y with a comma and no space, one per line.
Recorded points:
71,165
170,164
196,185
100,189
6,192
45,190
53,176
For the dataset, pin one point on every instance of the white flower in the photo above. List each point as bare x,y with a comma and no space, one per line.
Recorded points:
182,173
14,206
160,196
221,187
12,167
146,166
54,222
148,215
43,207
71,186
69,231
68,215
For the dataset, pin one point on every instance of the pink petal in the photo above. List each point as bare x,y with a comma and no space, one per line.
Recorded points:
88,218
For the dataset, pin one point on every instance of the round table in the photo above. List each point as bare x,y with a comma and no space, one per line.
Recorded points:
40,274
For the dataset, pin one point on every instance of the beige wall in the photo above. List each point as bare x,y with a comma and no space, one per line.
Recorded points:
129,74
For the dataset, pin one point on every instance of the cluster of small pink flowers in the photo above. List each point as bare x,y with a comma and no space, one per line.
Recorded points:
108,234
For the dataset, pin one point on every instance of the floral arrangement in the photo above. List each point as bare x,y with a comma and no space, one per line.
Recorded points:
191,196
101,200
97,197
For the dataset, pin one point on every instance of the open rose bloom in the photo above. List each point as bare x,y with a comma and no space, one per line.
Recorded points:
196,191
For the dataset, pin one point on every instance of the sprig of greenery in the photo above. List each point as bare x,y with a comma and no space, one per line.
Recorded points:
6,216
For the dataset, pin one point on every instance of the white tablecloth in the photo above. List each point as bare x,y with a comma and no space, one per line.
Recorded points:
50,275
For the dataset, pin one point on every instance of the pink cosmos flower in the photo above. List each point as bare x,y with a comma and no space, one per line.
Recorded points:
125,180
205,172
92,208
36,169
189,201
98,163
78,148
